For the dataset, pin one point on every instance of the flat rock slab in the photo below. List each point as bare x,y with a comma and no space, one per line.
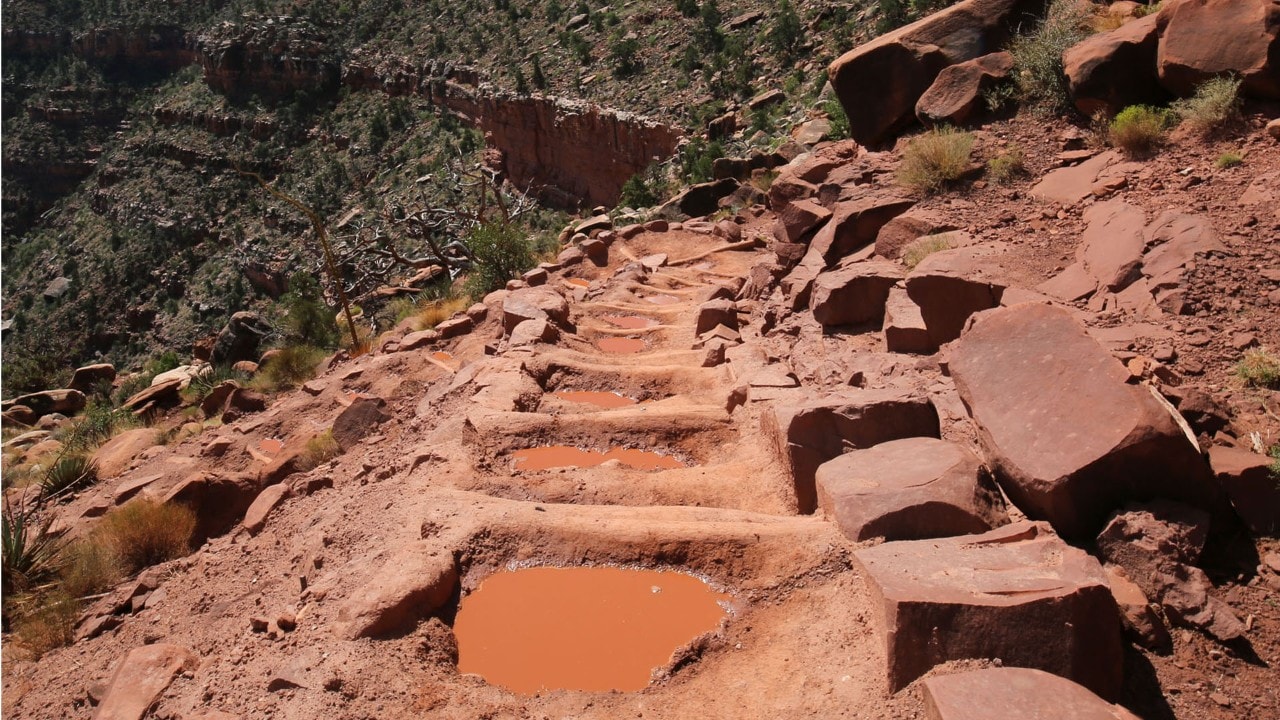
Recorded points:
1070,185
411,585
140,678
855,293
951,285
1012,693
909,489
1069,439
1253,489
805,430
904,328
1010,593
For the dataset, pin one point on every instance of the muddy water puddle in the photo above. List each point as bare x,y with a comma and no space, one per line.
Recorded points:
630,322
607,400
621,345
578,282
562,456
583,628
442,356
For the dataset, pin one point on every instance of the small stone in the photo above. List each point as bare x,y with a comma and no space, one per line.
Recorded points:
1220,699
259,624
1242,341
287,621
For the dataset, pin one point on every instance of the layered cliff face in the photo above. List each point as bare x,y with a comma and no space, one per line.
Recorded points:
275,57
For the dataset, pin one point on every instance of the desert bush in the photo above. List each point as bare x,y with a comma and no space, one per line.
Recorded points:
1037,55
30,549
70,471
623,49
308,320
696,158
935,159
204,383
1228,159
501,251
88,567
1215,103
1138,129
916,251
838,119
47,624
644,189
1259,368
291,367
145,532
1006,166
319,450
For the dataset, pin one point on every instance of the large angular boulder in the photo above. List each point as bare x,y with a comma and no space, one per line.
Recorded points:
805,431
361,417
949,286
218,501
909,489
905,229
956,94
798,219
904,328
1014,693
140,678
855,293
86,378
716,312
535,303
410,586
114,456
1009,593
1252,486
239,339
1109,71
1201,39
855,224
878,83
1069,438
698,200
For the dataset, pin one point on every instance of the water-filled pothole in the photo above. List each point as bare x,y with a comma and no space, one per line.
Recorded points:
621,345
582,628
442,356
630,322
578,282
607,400
559,456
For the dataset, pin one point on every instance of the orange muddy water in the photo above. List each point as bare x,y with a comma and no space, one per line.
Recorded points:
578,282
442,356
581,628
558,456
621,345
630,322
607,400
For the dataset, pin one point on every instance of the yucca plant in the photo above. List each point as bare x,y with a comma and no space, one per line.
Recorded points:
68,472
30,549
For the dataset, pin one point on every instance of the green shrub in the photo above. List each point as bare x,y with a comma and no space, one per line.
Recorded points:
203,384
1215,103
1037,56
68,472
289,368
644,189
501,252
1259,368
30,549
622,52
100,422
1138,129
696,159
1228,159
145,532
787,31
838,119
1006,166
916,251
935,159
308,320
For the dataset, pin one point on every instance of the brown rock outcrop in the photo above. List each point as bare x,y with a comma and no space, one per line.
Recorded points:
1201,39
140,678
1249,482
909,489
1014,693
855,293
956,94
410,586
1008,593
879,83
1112,70
1030,376
951,285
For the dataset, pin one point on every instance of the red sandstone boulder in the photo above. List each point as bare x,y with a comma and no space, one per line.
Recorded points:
1014,693
1113,243
806,431
956,94
787,188
698,200
219,501
909,489
855,293
117,454
453,327
1009,593
904,328
86,378
157,396
64,402
714,313
140,678
410,586
1201,39
1253,488
1032,378
949,286
1141,622
533,303
1110,71
855,224
360,418
255,518
797,219
906,229
879,83
530,332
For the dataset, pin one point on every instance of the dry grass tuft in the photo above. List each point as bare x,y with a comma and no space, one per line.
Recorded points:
935,159
916,251
1215,103
1259,368
319,450
145,532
